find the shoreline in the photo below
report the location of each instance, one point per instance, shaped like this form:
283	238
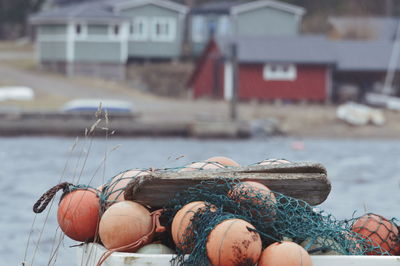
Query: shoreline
167	116
53	123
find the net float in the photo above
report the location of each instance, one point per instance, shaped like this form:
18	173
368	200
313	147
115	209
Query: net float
181	224
78	214
225	161
232	242
155	248
116	188
255	193
124	223
201	166
100	188
273	162
285	253
380	233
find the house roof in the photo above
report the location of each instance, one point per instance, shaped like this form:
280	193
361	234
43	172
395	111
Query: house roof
313	49
94	11
98	11
264	3
293	49
219	7
363	55
374	28
236	7
119	5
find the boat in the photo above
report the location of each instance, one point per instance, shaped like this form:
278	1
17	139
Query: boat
89	254
93	105
383	100
16	93
360	115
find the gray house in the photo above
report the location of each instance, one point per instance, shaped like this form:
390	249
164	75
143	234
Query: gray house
97	38
244	18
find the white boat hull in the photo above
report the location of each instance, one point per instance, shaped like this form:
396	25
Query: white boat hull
89	254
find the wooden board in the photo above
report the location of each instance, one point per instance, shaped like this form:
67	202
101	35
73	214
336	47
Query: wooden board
306	181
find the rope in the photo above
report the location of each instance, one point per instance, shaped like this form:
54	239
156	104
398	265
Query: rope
156	228
45	199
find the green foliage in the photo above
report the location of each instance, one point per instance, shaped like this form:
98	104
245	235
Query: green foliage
14	15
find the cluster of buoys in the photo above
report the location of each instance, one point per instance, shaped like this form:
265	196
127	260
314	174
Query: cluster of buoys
235	241
104	215
128	226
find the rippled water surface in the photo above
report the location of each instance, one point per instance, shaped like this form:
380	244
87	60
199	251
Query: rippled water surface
365	176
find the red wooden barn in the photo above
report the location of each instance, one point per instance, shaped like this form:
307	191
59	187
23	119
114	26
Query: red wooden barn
269	68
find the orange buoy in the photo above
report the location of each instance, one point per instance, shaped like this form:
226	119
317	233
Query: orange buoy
259	195
115	189
273	162
379	232
180	227
124	223
232	243
285	253
255	191
225	161
78	214
201	166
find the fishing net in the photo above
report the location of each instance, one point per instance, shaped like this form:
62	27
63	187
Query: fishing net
113	190
276	218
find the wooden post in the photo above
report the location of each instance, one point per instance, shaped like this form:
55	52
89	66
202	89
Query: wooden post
233	101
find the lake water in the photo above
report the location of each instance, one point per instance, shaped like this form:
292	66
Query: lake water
365	176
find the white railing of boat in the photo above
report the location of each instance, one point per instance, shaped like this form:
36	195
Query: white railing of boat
89	255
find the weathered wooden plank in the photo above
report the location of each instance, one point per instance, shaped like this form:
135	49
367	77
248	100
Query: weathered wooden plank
306	181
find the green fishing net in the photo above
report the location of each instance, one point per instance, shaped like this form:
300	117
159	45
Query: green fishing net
275	218
114	188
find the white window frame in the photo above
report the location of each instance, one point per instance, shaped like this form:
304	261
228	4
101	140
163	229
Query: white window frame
277	72
139	36
169	36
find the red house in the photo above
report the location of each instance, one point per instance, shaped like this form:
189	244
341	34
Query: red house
280	67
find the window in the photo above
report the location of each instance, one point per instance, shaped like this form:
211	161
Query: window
116	29
280	72
138	29
78	29
163	29
81	30
223	26
198	28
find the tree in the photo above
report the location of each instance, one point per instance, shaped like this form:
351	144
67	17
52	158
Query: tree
14	15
